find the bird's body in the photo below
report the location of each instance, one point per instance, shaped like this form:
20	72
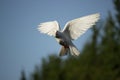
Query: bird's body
72	30
64	41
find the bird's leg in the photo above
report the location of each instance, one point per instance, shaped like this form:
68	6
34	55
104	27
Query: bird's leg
64	43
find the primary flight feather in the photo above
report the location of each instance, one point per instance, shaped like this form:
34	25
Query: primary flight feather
72	30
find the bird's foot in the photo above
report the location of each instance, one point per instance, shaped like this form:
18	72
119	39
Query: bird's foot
63	43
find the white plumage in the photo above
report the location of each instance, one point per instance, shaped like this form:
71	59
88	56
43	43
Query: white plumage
49	28
72	30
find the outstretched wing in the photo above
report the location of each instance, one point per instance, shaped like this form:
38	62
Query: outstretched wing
75	28
49	28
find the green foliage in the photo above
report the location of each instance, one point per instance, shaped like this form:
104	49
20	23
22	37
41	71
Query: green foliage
23	76
99	60
117	7
51	68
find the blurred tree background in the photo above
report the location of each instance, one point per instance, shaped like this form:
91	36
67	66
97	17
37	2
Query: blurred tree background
99	60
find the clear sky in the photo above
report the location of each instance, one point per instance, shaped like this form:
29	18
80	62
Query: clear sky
22	46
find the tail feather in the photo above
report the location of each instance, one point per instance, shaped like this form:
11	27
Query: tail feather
74	51
63	51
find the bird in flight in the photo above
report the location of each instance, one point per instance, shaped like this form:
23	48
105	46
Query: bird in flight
72	30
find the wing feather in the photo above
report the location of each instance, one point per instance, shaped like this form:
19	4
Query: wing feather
49	28
75	28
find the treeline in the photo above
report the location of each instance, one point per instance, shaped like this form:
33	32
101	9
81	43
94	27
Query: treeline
99	60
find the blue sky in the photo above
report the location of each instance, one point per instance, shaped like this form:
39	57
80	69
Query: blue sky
22	46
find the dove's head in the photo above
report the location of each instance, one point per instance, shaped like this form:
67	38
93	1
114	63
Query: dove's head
58	34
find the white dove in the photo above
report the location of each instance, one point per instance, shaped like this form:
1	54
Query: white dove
72	30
